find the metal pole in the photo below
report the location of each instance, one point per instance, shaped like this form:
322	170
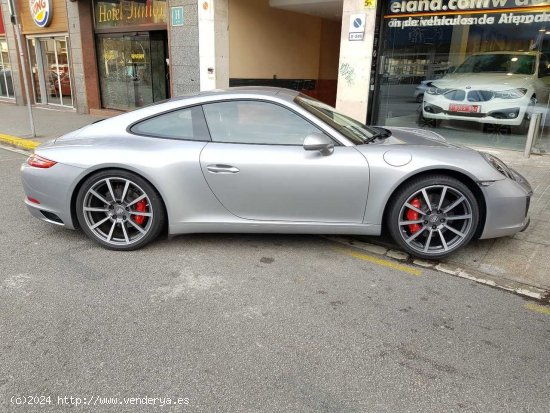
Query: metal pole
19	39
533	128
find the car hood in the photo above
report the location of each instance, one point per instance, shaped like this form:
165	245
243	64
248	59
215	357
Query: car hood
415	136
489	81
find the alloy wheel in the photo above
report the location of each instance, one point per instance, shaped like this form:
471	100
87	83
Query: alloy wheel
117	211
436	220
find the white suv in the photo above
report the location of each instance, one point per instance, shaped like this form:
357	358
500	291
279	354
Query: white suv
498	88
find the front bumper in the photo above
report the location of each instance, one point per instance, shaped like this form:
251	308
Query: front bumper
509	112
53	188
507	203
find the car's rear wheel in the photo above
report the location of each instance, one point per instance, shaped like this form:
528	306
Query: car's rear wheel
433	216
119	210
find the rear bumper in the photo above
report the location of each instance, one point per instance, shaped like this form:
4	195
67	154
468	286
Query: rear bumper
508	203
53	188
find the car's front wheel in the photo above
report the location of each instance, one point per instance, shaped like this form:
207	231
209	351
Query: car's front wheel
119	210
433	216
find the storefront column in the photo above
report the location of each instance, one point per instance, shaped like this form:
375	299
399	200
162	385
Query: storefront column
80	29
184	49
14	55
355	63
213	44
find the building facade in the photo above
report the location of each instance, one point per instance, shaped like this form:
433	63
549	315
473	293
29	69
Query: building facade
6	78
105	56
473	70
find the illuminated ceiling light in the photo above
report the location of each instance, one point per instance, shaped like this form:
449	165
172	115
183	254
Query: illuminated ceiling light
542	30
514	59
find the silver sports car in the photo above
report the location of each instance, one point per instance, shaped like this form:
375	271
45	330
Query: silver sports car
269	160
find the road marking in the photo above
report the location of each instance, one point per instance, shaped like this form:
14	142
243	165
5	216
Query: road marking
19	142
379	261
538	308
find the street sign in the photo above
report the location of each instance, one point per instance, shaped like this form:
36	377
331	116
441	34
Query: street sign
177	16
357	26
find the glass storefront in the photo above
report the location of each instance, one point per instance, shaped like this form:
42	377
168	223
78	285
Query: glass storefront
50	71
132	69
6	83
132	52
474	72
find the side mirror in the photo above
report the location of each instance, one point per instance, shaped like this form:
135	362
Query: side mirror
319	142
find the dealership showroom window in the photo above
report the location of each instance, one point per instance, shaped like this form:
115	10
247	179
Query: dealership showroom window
474	71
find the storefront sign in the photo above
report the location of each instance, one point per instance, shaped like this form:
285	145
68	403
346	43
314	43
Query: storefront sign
121	13
428	13
2	30
357	27
41	12
177	16
460	6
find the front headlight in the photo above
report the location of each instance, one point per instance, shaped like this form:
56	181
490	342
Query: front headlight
511	93
498	164
434	90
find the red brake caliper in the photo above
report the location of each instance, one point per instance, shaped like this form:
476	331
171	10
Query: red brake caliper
412	216
141	206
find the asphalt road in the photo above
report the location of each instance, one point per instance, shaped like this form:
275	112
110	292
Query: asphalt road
251	323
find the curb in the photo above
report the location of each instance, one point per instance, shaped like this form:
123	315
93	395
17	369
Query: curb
21	143
515	287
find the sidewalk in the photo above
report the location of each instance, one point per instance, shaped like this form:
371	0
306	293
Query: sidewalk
49	124
523	258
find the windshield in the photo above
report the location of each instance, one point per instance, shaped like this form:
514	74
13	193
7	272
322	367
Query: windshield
355	131
498	63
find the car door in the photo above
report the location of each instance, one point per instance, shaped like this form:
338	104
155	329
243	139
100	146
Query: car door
258	169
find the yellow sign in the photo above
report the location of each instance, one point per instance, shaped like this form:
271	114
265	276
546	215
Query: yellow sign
129	12
370	4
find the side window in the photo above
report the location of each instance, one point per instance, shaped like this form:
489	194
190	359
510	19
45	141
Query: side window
255	122
185	124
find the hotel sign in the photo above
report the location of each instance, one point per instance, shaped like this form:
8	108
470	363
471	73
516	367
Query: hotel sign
122	13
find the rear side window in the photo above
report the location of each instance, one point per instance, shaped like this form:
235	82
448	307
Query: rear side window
185	124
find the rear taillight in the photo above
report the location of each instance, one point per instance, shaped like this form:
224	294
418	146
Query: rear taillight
40	162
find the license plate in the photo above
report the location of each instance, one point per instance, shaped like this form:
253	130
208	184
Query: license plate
453	107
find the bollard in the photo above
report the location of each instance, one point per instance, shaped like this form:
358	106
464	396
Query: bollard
533	130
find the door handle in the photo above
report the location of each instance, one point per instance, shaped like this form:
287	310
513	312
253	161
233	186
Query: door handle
222	169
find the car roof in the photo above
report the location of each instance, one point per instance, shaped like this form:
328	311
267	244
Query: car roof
287	94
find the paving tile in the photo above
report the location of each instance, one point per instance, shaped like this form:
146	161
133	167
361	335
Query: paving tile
519	260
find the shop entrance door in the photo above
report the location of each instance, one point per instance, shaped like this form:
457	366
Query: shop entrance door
132	69
50	70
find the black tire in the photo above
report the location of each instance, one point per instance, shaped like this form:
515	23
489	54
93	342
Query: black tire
523	127
436	228
132	228
425	122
